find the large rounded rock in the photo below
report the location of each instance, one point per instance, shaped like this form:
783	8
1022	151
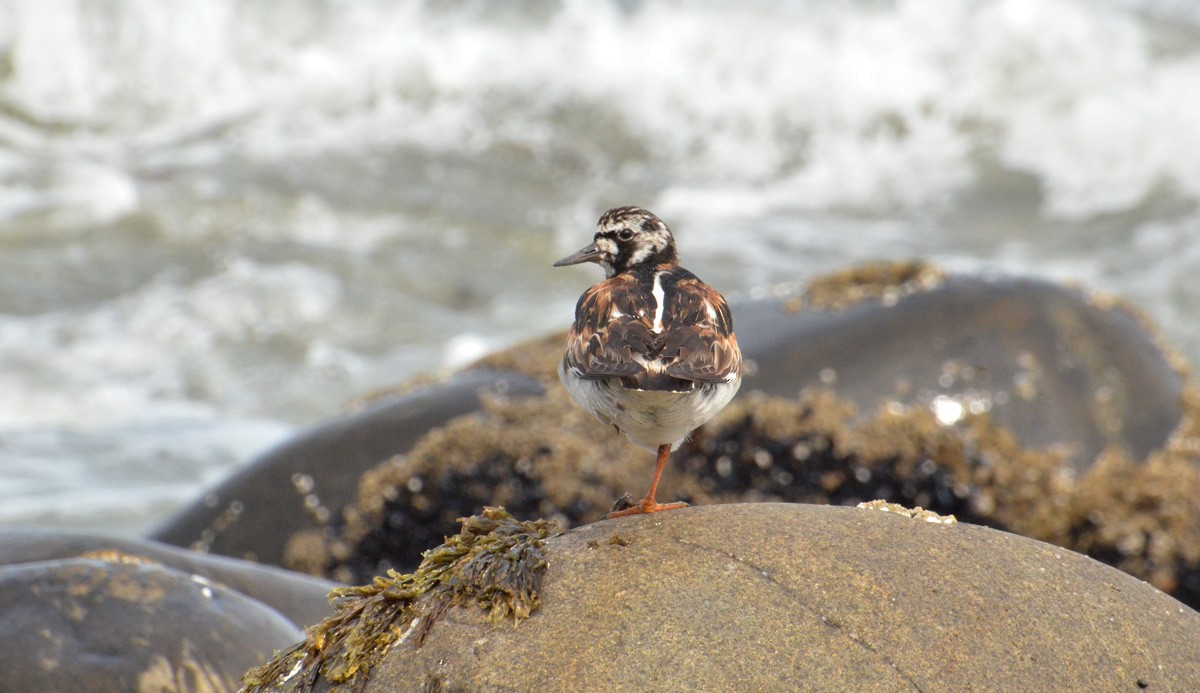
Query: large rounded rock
789	597
84	625
301	598
1056	365
253	513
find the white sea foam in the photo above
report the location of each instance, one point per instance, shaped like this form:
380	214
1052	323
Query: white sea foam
807	107
155	350
463	349
118	478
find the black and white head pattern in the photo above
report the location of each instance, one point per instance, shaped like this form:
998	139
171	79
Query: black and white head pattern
631	236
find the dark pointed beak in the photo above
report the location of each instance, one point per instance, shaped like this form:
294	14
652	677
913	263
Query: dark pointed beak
589	254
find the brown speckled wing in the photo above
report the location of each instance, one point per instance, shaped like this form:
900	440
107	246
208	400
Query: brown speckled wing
700	344
613	335
609	329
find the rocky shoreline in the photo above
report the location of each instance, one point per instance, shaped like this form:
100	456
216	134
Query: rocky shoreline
1024	406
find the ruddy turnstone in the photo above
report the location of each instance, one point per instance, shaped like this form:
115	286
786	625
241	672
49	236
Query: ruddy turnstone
652	350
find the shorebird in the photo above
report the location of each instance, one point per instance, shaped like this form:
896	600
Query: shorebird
652	350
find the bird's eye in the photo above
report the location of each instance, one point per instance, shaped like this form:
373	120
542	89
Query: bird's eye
625	234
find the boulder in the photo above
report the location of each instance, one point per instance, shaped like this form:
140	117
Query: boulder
790	597
1056	365
301	598
123	624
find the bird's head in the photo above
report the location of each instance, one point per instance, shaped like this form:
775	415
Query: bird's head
625	238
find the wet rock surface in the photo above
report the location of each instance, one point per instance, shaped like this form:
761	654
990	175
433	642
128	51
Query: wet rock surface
251	514
116	622
300	598
784	596
1056	365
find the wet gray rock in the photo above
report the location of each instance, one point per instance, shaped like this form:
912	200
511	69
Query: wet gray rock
85	625
1056	365
301	598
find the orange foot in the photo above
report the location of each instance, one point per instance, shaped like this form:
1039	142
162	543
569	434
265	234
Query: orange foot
647	505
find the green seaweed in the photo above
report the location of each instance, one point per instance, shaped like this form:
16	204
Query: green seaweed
494	562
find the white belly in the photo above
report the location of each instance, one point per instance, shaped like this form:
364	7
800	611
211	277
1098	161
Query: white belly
649	417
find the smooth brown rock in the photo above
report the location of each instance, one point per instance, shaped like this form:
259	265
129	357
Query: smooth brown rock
84	625
301	598
790	597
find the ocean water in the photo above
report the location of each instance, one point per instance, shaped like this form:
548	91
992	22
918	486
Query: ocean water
222	220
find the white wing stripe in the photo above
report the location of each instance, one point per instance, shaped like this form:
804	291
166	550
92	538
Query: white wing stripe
660	302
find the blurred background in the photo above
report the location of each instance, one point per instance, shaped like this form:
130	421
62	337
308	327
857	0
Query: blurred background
222	220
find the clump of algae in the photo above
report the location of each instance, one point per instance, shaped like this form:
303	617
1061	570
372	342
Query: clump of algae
883	281
536	456
544	457
494	562
816	450
1144	516
537	358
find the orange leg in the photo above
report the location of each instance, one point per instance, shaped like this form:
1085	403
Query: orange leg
647	504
